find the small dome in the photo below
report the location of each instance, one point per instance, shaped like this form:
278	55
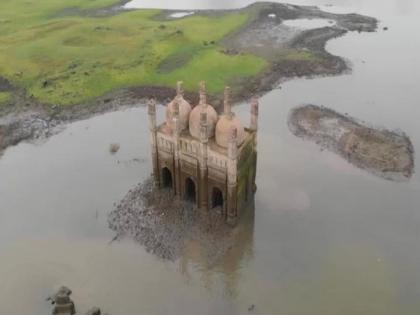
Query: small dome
184	110
195	120
224	128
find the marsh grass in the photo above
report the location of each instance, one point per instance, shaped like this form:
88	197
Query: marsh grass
68	59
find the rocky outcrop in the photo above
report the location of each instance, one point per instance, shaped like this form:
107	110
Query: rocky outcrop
63	305
17	127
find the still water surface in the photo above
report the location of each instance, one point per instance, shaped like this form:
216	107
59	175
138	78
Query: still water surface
327	238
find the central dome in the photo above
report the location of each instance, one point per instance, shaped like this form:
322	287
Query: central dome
184	110
195	115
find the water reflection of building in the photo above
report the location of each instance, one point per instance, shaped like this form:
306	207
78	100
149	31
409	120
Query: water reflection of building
219	268
205	158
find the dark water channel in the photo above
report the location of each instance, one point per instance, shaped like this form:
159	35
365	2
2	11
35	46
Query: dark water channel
327	238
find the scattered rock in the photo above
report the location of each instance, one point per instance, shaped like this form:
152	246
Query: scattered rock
251	308
114	148
385	28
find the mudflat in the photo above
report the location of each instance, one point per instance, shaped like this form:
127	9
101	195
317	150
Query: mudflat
384	153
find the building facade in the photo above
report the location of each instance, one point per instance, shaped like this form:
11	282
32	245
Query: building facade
206	158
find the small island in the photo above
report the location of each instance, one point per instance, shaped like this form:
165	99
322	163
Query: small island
388	154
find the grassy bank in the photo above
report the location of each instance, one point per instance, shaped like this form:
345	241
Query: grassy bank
5	97
64	57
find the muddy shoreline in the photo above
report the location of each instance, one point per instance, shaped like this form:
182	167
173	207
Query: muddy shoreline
383	153
25	118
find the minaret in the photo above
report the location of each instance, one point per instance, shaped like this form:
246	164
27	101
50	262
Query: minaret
227	105
254	115
254	127
175	137
179	89
203	187
203	115
232	169
204	139
153	139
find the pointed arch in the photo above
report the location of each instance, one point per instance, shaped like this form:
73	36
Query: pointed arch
217	199
167	181
190	190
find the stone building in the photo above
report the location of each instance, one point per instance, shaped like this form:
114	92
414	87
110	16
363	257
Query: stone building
204	157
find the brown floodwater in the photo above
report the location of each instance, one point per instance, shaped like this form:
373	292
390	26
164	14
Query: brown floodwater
326	238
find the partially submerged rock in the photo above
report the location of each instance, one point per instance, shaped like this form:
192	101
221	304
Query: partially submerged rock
114	148
63	305
388	154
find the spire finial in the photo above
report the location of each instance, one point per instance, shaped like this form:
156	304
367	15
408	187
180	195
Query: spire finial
203	94
227	104
152	106
254	106
179	89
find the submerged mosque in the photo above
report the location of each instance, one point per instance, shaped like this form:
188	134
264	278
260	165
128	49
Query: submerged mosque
206	158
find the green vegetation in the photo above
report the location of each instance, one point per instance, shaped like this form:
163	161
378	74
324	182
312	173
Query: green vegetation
62	55
5	97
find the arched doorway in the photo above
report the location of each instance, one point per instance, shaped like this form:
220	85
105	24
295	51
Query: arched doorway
190	191
217	198
166	178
